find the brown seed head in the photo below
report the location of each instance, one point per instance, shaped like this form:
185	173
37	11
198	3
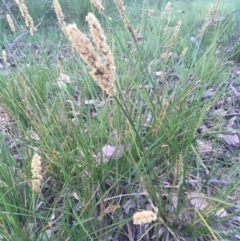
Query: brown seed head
126	21
168	52
10	22
215	9
28	19
184	52
144	217
98	4
166	10
36	170
103	67
60	16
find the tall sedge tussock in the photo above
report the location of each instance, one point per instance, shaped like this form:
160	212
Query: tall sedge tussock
36	170
98	4
102	71
126	21
28	19
60	16
10	22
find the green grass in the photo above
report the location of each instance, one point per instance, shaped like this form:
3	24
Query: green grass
54	121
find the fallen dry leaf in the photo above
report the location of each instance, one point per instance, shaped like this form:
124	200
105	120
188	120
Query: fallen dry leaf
203	129
237	94
219	112
75	196
204	147
159	73
65	78
221	213
148	120
113	152
230	125
232	140
110	153
208	93
197	199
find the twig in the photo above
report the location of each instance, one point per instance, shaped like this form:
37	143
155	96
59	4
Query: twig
230	114
124	195
212	181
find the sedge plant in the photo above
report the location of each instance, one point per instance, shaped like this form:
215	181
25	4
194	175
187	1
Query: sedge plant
136	87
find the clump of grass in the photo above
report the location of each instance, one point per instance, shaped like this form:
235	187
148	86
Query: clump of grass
152	124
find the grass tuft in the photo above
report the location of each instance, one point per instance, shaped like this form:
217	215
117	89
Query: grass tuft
149	152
